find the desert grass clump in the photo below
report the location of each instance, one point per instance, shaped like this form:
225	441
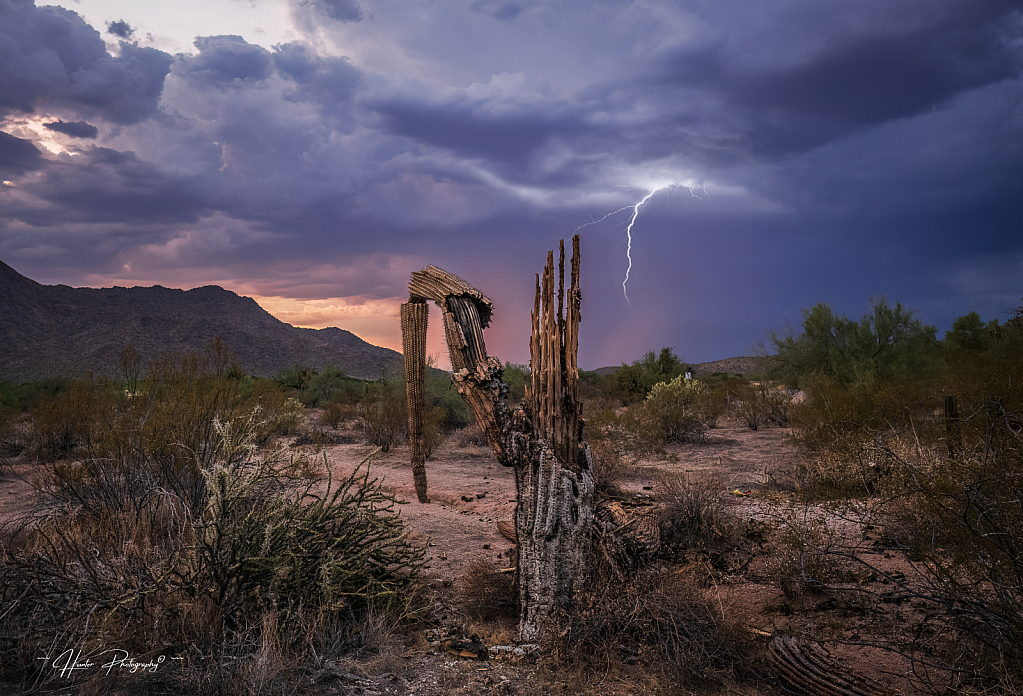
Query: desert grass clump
692	515
486	592
667	620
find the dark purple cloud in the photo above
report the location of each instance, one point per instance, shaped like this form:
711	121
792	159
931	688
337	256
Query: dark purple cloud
341	10
18	156
508	140
860	79
50	58
104	186
76	129
228	60
120	29
327	81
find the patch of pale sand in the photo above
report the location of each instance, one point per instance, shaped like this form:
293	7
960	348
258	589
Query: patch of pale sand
458	531
19	495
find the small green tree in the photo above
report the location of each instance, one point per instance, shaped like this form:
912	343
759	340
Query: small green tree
887	341
636	380
970	334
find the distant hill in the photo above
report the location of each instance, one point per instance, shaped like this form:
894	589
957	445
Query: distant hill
54	330
747	366
741	365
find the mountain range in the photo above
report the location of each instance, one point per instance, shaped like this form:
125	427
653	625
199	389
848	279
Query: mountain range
57	330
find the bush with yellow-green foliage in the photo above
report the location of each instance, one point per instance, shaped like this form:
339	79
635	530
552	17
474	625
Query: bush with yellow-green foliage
673	409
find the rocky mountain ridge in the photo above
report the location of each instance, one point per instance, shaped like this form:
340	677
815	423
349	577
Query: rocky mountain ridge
55	330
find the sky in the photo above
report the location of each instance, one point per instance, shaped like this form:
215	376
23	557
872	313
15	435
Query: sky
726	163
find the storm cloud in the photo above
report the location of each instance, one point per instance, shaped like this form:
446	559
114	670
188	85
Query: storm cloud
799	152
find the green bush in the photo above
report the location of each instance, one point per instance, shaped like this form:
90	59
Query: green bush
672	408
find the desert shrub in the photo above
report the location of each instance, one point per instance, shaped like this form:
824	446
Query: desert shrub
712	404
836	416
946	494
668	619
602	389
435	429
886	342
64	423
671	407
692	516
609	465
331	385
295	377
960	520
385	418
441	393
169	421
334	552
486	592
334	414
808	557
470	436
618	438
759	403
636	380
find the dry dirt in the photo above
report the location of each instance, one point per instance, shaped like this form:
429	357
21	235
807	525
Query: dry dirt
470	492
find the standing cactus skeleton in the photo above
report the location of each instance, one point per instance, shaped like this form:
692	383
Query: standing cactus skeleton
541	439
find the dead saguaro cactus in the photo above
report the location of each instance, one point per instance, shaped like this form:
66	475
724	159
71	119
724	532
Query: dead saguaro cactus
414	317
542	439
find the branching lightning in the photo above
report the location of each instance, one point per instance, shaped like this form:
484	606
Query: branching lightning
628	229
628	246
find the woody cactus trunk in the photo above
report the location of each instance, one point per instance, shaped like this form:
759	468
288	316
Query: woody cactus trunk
541	439
414	317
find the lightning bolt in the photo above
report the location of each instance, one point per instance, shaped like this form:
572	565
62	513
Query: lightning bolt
628	232
628	247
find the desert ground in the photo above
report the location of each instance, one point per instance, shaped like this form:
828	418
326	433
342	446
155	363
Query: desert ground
470	493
